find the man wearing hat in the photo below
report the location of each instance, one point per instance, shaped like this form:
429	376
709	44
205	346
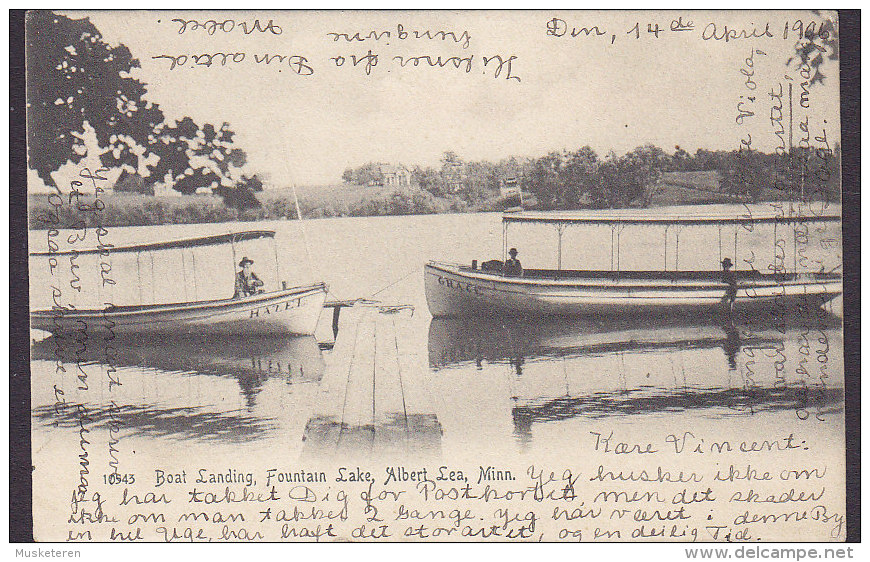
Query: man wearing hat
512	267
731	280
247	282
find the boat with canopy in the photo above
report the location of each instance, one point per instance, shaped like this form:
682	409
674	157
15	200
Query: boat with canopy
460	290
278	310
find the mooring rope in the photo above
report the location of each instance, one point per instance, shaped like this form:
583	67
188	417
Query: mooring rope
396	282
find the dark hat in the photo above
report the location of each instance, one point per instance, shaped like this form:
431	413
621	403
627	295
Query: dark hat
513	251
726	263
244	261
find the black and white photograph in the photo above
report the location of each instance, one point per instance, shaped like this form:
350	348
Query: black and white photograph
436	276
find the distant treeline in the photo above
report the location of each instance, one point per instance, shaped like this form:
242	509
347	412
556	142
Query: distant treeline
134	209
559	180
583	179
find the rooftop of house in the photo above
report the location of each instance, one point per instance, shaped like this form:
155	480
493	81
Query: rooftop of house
392	169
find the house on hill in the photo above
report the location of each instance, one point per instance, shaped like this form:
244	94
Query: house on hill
453	175
394	176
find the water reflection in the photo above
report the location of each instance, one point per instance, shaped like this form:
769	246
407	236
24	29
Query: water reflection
193	422
251	361
486	380
454	341
598	367
182	387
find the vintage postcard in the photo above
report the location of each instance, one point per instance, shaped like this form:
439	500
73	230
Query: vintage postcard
436	276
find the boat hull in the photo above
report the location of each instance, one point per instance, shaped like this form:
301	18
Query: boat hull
452	290
289	311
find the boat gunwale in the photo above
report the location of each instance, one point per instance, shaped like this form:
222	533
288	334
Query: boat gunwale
213	305
610	277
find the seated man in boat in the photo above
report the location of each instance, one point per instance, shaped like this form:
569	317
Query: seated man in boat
731	280
513	267
247	282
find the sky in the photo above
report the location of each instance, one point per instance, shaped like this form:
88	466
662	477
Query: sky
615	91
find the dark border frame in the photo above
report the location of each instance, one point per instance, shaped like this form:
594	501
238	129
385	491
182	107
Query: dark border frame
20	484
850	119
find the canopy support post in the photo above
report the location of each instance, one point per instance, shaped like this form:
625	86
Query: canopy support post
667	226
677	251
184	274
233	248
504	227
795	236
153	299
775	249
139	274
736	231
560	228
618	247
720	245
278	284
612	244
195	289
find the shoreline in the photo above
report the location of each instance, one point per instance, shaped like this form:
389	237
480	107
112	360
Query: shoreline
129	210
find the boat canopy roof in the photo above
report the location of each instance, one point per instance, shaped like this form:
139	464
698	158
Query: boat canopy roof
213	240
680	217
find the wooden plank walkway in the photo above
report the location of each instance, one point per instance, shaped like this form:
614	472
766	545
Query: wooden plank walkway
374	401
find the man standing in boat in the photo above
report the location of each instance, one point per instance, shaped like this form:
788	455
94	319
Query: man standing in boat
731	280
513	267
247	282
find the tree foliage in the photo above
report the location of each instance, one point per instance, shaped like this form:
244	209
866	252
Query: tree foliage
75	78
580	178
367	174
196	156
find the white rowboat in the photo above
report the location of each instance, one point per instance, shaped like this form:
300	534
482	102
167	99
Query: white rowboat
288	310
456	290
462	290
291	311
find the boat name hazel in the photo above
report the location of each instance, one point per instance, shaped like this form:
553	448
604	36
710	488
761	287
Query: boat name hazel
270	308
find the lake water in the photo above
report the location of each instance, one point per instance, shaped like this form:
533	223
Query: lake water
493	389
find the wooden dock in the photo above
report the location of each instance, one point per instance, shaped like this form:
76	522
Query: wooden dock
374	401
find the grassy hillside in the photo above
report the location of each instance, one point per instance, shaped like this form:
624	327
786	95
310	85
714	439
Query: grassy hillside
690	188
697	188
356	200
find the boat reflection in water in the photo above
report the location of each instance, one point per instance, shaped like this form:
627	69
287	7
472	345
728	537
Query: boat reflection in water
594	368
185	387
